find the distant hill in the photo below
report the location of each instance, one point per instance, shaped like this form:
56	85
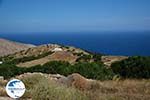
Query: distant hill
27	55
10	47
45	53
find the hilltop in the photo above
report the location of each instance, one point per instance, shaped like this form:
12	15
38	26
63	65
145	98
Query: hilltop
45	53
10	47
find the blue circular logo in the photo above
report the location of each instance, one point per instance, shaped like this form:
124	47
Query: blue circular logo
15	88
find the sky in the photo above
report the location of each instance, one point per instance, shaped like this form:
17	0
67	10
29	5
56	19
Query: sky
74	15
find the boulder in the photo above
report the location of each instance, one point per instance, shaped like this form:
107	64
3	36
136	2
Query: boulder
77	81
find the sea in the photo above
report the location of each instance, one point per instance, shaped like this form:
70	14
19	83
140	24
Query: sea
110	43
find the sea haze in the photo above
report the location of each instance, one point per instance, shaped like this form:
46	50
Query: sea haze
113	43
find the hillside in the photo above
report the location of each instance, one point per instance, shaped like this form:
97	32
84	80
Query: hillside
108	60
26	55
10	47
44	53
77	87
59	70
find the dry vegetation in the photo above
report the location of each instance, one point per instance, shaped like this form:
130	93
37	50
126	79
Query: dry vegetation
108	60
68	54
10	47
121	90
56	56
43	49
43	88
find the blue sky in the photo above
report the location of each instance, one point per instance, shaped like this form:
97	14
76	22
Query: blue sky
74	15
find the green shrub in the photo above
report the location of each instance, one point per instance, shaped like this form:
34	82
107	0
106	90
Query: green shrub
87	58
89	70
78	54
84	58
9	71
97	57
93	70
10	59
53	67
133	67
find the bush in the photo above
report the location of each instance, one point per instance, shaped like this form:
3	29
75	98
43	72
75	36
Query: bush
87	58
133	67
10	60
97	57
53	67
84	58
93	70
9	71
89	70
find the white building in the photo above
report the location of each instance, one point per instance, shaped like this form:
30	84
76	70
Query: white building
1	62
57	49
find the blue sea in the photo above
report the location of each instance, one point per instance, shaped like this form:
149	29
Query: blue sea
112	43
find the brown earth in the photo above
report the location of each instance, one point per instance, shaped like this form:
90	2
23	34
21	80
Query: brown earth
10	47
78	81
108	60
44	49
56	56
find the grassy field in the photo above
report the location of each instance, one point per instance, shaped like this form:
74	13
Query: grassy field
122	90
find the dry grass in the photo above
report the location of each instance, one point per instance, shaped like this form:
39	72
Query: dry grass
3	83
2	91
100	90
49	90
41	88
2	87
108	60
57	56
120	90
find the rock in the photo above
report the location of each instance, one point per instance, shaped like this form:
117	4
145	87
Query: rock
73	80
78	81
63	80
56	77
